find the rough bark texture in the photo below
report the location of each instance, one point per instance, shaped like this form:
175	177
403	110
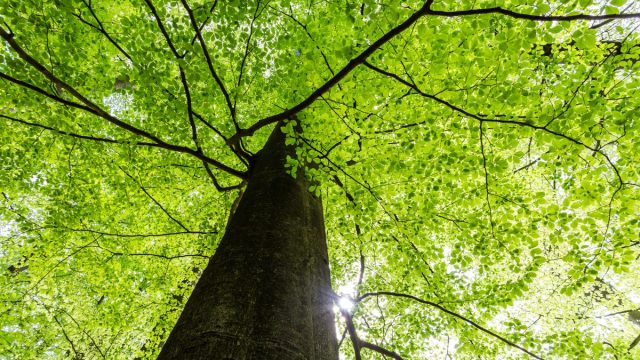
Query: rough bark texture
266	293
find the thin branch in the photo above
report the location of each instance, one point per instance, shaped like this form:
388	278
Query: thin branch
82	247
634	343
78	136
441	308
486	182
163	30
187	94
191	112
242	156
304	27
93	342
194	135
210	126
96	110
617	313
105	233
120	253
567	105
338	168
246	49
358	343
346	70
101	28
516	15
217	184
64	333
154	200
453	220
482	118
596	26
213	72
530	164
204	23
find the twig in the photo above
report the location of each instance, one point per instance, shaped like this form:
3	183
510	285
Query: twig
154	200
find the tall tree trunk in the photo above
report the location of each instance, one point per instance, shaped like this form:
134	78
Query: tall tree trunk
266	293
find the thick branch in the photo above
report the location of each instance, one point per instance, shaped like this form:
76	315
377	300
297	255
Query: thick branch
96	110
346	70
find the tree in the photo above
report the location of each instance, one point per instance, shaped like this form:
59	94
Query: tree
476	161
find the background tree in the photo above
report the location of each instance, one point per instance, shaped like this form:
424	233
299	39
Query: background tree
477	161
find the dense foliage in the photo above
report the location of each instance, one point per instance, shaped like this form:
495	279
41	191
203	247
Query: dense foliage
479	168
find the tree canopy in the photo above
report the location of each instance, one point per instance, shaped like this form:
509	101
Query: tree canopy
478	162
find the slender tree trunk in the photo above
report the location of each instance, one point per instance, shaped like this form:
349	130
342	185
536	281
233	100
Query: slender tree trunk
266	293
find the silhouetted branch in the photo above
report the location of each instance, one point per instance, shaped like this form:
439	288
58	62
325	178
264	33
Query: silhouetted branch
441	308
346	70
96	110
217	184
213	72
482	118
78	136
100	28
358	343
120	253
154	200
517	15
163	30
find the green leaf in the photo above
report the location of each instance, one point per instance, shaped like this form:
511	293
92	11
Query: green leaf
483	163
611	10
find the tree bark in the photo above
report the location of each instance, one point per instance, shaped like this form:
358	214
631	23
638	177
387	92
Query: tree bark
266	292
